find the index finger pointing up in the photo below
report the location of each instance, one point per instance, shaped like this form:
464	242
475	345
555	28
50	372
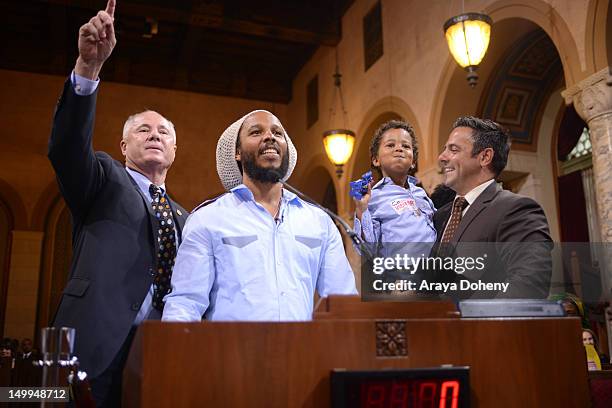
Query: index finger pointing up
110	8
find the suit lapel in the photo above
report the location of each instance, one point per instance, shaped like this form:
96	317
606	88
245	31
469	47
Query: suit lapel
178	213
180	216
476	208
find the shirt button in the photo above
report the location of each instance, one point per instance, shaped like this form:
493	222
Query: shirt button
282	293
135	306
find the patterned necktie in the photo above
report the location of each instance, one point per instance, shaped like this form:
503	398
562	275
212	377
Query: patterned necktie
458	206
166	245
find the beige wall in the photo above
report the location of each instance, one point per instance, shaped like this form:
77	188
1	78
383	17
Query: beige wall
22	294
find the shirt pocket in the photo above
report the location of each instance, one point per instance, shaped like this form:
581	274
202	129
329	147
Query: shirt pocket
240	261
308	254
76	287
426	210
310	242
239	241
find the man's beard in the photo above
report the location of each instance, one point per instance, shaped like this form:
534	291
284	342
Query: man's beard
264	174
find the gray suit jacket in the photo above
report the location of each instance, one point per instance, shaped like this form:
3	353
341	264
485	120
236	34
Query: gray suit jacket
513	231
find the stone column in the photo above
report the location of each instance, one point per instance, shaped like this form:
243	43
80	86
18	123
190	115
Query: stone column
592	98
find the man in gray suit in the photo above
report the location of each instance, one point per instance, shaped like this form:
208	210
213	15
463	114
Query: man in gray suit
510	228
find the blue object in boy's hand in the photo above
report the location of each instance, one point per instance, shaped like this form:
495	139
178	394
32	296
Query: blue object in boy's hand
360	187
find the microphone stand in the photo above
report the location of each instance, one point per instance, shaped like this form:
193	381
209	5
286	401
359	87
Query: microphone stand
347	229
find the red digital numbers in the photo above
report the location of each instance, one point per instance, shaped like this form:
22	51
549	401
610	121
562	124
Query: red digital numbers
427	395
399	395
454	399
376	396
410	394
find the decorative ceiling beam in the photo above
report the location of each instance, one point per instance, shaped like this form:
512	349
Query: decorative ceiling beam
212	17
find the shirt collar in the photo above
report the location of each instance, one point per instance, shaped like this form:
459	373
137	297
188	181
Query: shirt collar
143	182
243	192
387	180
474	193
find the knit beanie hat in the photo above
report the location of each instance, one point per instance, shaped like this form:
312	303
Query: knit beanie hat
227	166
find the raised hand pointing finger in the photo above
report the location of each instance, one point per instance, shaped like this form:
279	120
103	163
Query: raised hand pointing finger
110	8
96	42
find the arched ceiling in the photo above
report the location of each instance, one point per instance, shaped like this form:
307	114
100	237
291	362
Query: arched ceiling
519	86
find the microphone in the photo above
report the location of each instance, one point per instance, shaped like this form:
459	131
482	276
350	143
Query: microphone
347	229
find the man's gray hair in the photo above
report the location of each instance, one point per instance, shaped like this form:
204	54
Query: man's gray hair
130	120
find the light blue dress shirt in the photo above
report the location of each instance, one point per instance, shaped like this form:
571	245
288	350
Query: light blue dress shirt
396	216
236	262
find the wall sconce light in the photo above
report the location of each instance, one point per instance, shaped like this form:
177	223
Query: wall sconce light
338	142
339	145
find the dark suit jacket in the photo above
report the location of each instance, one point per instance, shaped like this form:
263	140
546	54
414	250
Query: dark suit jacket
6	366
113	237
25	373
517	241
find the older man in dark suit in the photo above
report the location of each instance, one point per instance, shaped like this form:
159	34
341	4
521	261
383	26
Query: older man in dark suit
125	227
483	218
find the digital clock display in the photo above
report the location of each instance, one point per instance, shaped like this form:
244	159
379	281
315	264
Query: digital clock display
415	388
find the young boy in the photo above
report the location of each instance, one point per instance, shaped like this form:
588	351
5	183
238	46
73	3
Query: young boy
395	211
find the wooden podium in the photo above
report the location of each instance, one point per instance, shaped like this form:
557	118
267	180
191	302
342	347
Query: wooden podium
513	362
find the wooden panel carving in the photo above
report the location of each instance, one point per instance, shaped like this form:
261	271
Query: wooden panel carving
391	339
